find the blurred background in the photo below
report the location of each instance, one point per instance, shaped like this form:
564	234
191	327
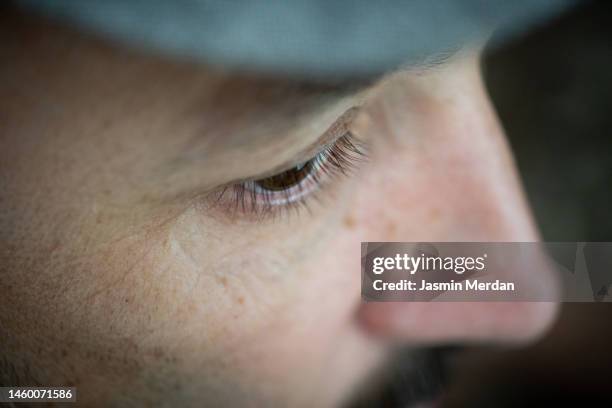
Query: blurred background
552	89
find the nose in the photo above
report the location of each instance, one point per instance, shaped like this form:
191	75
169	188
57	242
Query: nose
441	170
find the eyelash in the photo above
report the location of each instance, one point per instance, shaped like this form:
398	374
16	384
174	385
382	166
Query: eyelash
337	159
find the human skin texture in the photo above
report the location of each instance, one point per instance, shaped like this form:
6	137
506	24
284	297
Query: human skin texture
122	277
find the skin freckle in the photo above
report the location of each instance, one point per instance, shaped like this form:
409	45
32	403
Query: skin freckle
391	229
434	214
349	222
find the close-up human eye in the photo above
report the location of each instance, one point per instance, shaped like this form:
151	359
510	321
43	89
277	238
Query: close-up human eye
322	204
295	187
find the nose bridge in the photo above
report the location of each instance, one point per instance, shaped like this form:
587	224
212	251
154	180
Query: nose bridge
470	177
444	172
444	162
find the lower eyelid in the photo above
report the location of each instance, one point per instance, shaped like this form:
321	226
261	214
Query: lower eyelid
250	199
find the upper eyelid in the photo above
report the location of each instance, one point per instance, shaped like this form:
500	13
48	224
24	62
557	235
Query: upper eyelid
338	129
344	154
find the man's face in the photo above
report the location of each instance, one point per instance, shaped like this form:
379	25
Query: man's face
181	236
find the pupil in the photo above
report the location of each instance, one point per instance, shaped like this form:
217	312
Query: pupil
286	179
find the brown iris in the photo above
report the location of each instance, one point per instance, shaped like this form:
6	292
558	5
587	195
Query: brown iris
286	179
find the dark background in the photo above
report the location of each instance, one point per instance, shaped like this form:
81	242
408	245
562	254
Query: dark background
552	90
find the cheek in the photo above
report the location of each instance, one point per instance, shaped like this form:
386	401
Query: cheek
183	306
283	300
